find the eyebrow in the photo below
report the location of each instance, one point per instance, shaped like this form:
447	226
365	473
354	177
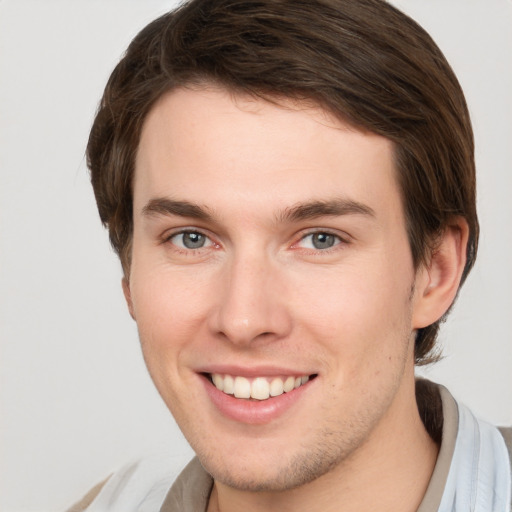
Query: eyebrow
329	208
165	206
301	211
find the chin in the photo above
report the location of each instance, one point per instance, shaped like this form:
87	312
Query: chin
274	473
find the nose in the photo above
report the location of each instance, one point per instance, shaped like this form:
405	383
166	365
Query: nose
251	305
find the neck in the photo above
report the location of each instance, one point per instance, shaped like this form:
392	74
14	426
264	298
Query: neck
389	472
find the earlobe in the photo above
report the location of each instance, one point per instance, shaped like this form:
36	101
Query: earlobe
438	282
128	296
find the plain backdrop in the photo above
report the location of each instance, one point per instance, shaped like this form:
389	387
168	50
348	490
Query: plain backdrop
76	400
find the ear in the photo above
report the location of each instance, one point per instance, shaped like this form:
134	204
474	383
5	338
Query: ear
128	296
437	283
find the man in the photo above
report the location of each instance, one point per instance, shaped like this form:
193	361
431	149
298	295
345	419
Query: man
290	187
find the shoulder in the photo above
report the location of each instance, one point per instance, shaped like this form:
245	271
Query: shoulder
146	480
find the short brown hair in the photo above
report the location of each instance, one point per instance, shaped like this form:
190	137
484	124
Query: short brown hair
362	60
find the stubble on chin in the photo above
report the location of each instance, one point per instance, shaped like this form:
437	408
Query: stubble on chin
331	450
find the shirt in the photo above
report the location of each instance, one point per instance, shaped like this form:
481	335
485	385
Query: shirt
161	483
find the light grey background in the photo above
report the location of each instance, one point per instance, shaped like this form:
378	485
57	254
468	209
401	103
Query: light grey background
76	401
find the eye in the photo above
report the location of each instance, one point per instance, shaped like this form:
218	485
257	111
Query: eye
190	240
319	241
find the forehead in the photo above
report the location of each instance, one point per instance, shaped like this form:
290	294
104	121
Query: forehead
215	148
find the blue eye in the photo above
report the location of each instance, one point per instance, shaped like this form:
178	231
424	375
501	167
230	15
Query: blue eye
190	240
320	241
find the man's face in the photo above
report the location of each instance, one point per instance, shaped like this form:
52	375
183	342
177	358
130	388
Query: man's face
270	247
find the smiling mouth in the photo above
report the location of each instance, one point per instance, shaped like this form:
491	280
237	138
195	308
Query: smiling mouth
258	388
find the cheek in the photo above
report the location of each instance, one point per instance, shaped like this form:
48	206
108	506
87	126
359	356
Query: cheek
167	312
170	316
360	316
165	296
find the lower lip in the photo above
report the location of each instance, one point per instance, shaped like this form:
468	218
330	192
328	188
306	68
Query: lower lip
254	412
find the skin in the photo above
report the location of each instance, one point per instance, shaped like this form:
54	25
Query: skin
260	293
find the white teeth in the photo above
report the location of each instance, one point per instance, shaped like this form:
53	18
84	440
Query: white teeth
242	387
229	385
276	387
260	388
289	384
218	381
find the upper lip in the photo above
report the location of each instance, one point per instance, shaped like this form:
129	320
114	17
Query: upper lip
253	371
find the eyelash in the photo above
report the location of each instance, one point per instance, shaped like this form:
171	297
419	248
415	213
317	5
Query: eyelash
339	241
190	251
168	239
